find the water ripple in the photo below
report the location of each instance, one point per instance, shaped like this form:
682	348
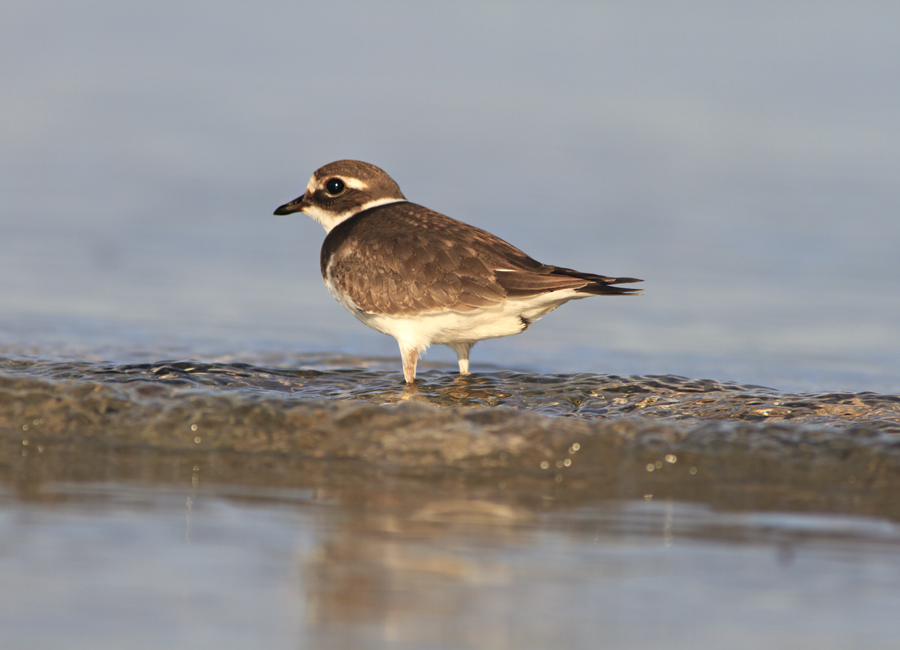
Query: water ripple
492	419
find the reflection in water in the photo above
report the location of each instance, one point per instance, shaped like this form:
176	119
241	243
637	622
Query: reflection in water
346	554
624	575
378	566
498	511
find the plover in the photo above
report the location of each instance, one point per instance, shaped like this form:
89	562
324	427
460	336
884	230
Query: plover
423	277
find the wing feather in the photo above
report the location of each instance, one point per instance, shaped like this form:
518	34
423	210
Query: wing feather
402	259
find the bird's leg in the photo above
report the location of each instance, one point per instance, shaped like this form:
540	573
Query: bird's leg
410	357
462	352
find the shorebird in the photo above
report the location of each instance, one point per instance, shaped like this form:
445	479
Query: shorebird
422	277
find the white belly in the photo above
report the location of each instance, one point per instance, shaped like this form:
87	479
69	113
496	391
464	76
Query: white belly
448	327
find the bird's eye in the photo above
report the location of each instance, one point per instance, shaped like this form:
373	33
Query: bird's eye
334	186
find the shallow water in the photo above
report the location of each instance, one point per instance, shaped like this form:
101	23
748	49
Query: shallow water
375	566
200	448
201	504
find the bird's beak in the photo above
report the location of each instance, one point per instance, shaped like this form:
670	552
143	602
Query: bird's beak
296	205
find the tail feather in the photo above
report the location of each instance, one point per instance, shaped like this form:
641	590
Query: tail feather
600	289
600	284
553	278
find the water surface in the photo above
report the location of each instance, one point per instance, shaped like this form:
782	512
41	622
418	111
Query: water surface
192	503
200	448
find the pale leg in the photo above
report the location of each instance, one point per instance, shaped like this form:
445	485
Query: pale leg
462	352
410	357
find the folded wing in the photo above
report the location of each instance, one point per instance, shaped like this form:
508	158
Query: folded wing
403	259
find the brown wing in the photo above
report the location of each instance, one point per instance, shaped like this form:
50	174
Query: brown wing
403	258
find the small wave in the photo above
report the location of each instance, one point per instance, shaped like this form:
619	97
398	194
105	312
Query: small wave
501	419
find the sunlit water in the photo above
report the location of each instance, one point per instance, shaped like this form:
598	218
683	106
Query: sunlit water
112	565
200	448
199	504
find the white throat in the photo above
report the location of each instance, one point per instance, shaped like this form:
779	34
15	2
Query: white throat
329	219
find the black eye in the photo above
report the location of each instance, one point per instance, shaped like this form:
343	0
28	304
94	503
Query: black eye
334	186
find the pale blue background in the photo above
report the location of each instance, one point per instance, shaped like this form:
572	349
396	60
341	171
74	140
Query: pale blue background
743	160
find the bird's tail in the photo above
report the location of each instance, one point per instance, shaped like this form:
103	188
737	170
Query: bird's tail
600	285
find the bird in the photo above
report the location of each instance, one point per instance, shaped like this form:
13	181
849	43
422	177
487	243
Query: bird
425	278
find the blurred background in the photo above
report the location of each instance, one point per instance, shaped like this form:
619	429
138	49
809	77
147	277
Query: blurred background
743	160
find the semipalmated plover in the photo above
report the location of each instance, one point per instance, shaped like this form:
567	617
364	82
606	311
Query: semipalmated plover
423	277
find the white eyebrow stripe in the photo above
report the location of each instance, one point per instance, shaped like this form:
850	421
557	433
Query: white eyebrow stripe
354	183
